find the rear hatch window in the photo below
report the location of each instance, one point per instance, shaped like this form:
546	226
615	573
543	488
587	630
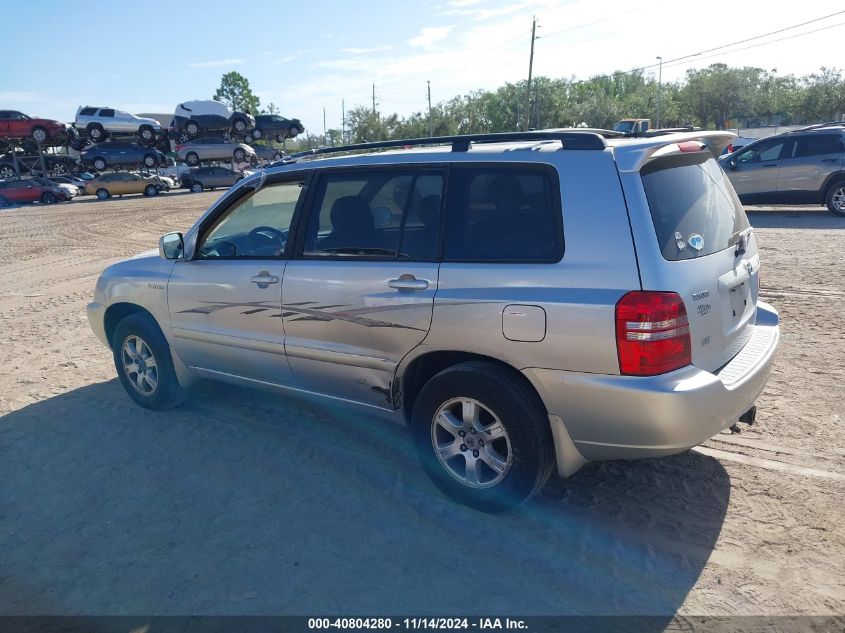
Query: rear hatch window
694	208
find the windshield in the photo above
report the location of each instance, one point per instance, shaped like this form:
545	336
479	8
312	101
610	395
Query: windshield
624	126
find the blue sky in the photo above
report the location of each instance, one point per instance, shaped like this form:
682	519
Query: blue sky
306	56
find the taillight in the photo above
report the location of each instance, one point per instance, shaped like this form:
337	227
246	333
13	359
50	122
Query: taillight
691	146
652	333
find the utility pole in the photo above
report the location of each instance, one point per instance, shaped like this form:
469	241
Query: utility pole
430	127
659	89
325	135
343	129
530	69
374	98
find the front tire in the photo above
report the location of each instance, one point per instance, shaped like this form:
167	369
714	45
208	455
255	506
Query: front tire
146	133
39	135
144	364
196	188
192	158
192	128
150	191
103	194
483	436
49	198
150	160
835	199
239	126
100	164
239	155
96	132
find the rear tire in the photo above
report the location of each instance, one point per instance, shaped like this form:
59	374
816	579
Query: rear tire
39	135
239	155
100	164
192	128
196	187
146	133
835	199
96	132
239	126
150	191
49	198
103	194
150	160
256	133
192	158
502	410
144	364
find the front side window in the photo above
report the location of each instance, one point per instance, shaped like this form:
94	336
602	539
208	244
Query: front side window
256	226
503	214
762	152
388	213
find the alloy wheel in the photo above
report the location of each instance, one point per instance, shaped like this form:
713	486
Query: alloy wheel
471	443
139	365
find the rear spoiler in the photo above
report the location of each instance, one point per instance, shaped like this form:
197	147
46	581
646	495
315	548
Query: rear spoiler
631	156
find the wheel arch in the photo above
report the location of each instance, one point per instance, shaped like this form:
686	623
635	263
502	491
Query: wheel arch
830	181
420	369
116	312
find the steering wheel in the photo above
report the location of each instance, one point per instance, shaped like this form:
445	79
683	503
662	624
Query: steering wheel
267	240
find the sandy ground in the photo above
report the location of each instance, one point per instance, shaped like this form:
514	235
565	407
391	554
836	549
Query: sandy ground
243	502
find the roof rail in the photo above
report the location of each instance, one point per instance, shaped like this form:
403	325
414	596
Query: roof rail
574	140
816	126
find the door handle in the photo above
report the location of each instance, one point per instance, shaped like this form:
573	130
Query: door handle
408	282
264	279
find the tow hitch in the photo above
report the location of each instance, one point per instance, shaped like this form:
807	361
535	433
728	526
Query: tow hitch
749	418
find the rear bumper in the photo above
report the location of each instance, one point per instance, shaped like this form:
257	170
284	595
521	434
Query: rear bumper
624	417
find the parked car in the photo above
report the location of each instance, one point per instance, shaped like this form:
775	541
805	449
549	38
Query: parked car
738	143
805	166
76	181
121	154
70	191
166	182
31	163
445	288
267	154
274	126
195	117
17	125
203	178
27	190
98	122
120	183
214	148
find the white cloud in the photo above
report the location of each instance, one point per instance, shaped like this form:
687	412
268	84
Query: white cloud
216	63
364	51
430	35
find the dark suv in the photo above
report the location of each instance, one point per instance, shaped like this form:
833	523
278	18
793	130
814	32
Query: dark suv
113	154
274	126
806	166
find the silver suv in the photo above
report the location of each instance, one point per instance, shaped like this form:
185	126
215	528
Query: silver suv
99	122
805	166
526	302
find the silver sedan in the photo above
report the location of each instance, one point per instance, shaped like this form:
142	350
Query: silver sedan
214	148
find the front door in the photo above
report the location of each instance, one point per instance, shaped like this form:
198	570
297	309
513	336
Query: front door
360	292
225	302
757	168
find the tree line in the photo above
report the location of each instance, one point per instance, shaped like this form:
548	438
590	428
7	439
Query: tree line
716	97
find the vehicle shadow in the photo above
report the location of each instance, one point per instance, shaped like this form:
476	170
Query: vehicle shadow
807	217
242	502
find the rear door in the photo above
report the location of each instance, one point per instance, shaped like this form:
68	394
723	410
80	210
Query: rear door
359	295
693	238
755	170
812	159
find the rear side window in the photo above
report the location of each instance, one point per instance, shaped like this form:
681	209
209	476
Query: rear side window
503	214
88	112
816	144
389	213
692	205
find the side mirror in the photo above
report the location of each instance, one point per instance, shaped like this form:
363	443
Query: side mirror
732	163
171	246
